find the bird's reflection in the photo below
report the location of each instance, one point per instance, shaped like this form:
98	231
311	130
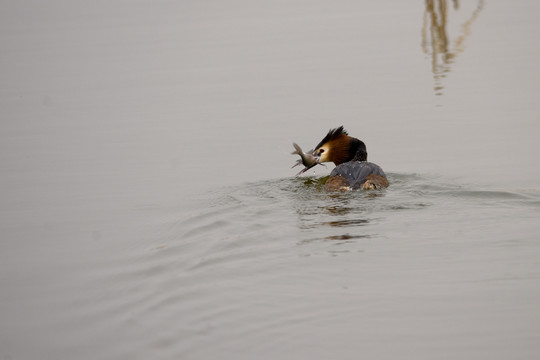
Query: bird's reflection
339	218
346	222
436	41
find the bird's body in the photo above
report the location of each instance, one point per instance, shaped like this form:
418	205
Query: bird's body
352	170
354	175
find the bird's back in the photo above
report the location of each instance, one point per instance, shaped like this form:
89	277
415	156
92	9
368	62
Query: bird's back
357	172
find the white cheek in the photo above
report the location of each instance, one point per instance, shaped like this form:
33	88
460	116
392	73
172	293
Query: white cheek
324	157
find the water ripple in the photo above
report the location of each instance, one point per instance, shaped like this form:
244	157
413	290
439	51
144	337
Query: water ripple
219	270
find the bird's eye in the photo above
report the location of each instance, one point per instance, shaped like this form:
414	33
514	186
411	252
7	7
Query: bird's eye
321	151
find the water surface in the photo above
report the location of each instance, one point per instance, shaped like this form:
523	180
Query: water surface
149	209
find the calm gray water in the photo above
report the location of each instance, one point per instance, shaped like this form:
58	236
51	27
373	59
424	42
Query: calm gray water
148	208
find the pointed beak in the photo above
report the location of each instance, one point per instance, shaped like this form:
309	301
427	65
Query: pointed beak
316	154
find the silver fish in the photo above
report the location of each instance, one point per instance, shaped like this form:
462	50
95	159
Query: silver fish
306	159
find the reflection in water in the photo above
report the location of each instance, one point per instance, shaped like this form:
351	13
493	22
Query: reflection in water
336	217
346	222
339	239
346	237
436	42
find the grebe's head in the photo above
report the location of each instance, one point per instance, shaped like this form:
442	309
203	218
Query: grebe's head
338	147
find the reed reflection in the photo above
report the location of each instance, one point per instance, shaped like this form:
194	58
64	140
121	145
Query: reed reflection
437	43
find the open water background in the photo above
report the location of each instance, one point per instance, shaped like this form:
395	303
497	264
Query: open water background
148	208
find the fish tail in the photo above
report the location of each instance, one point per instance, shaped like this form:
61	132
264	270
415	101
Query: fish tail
298	149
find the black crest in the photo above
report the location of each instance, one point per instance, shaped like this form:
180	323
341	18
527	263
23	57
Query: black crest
332	134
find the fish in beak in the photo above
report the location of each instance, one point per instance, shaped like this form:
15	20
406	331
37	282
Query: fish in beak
306	158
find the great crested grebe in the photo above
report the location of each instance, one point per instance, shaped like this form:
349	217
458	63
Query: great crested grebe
352	170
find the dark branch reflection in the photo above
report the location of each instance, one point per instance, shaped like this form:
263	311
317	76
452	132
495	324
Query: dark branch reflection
436	41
